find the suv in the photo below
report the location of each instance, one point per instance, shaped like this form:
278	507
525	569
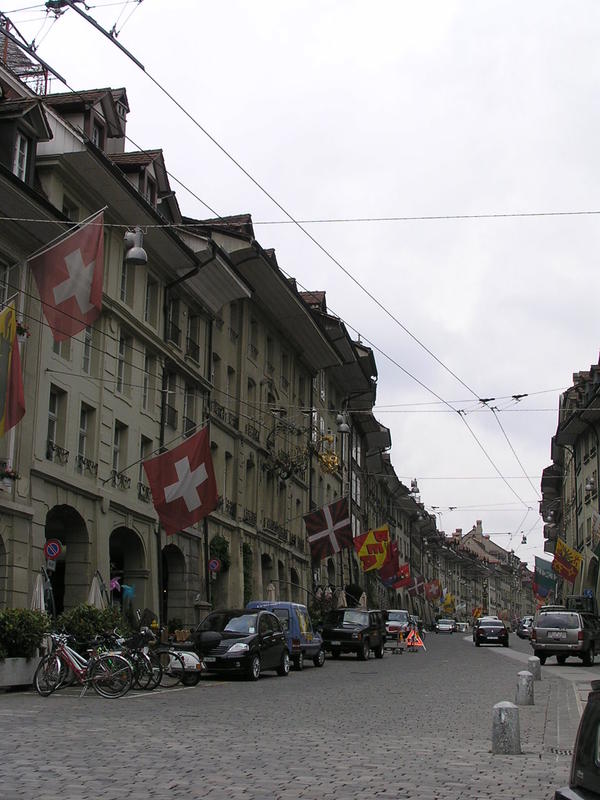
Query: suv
565	633
354	630
584	782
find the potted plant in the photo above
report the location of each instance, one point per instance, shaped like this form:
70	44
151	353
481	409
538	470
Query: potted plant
7	476
23	332
21	635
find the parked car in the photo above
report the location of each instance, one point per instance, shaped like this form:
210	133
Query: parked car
444	626
242	641
302	641
524	628
490	631
566	633
397	621
354	630
584	782
462	627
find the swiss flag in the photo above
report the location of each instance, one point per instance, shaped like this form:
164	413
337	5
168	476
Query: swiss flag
69	279
182	482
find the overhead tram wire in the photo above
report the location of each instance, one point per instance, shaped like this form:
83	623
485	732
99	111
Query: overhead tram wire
329	255
292	219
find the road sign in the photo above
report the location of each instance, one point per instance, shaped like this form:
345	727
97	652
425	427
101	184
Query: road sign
52	548
214	565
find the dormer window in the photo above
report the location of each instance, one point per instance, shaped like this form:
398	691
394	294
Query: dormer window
98	135
150	193
20	159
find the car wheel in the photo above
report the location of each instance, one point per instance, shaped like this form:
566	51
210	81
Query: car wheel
284	667
365	651
319	659
561	659
335	653
254	670
299	661
190	678
588	656
379	651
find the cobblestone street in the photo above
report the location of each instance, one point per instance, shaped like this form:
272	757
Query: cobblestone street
408	726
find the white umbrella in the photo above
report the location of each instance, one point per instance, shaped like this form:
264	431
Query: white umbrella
363	601
341	599
95	596
271	592
37	598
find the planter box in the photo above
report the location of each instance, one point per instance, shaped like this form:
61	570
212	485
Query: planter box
17	671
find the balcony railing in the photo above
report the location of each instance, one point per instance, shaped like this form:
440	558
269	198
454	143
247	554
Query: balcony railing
218	410
86	465
230	507
192	349
189	426
274	527
119	479
253	351
171	416
233	420
252	432
173	333
249	516
56	453
144	493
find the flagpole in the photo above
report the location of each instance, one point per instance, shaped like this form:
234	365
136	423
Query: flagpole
64	235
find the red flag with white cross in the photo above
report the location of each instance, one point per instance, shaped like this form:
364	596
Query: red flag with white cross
69	278
182	482
329	529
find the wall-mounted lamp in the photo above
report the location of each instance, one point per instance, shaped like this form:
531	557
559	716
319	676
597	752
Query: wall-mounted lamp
342	424
589	485
134	251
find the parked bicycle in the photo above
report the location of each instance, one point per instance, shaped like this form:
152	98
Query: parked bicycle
110	674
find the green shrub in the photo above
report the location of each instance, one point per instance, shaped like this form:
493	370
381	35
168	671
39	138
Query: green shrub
84	621
218	548
21	632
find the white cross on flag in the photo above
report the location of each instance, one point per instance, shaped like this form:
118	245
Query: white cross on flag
182	482
329	529
69	279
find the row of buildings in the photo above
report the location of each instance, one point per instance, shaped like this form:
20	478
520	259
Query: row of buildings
209	331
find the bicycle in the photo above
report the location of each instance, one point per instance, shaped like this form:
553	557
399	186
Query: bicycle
110	674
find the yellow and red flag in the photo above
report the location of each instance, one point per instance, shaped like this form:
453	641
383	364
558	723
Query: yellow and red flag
12	396
566	561
372	548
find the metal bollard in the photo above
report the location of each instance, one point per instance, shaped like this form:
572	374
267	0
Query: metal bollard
533	665
524	688
506	732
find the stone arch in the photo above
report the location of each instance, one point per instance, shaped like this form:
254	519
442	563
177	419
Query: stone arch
72	576
295	590
266	565
592	576
128	564
173	596
3	574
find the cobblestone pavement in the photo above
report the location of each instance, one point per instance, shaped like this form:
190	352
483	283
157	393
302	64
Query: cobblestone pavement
408	726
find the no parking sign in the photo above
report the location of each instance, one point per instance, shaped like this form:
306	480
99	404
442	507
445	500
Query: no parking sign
214	565
52	549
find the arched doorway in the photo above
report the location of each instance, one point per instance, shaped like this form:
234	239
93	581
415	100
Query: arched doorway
592	577
296	591
71	577
127	565
266	565
173	585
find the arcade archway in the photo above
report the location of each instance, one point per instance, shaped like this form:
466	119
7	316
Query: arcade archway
173	584
128	572
72	574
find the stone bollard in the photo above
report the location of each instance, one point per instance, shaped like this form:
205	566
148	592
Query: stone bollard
533	665
506	733
524	688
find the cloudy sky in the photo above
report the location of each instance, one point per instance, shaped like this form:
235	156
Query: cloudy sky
348	110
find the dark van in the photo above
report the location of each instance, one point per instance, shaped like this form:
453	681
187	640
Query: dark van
301	640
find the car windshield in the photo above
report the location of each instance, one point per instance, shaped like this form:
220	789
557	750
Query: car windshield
490	623
558	620
397	616
348	617
235	621
446	622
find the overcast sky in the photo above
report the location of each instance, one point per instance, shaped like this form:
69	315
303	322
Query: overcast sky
396	109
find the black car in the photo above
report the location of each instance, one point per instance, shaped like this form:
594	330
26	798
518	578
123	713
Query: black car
242	641
584	783
490	631
354	630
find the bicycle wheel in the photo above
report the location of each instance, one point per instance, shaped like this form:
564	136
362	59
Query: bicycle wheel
156	669
148	671
47	675
173	668
111	675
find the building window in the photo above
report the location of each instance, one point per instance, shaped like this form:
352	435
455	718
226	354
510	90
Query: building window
150	193
192	347
119	451
171	399
124	364
148	382
62	349
145	453
86	360
126	287
174	331
151	301
98	135
56	426
189	410
70	210
85	443
20	159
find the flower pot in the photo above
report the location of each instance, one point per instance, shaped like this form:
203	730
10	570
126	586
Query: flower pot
17	671
6	484
21	338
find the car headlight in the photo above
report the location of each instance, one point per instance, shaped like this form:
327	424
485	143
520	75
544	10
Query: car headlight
356	635
238	647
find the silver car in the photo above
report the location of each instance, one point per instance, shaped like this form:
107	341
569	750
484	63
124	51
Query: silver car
566	633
